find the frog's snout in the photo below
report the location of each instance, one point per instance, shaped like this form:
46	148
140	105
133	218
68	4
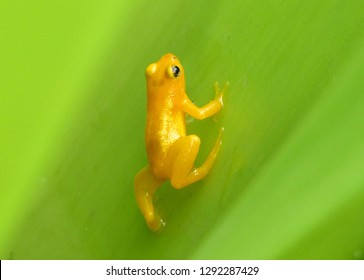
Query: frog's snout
151	69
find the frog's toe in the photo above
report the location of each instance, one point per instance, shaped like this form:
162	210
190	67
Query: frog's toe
157	224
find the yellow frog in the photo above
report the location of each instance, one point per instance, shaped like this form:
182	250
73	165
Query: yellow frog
171	153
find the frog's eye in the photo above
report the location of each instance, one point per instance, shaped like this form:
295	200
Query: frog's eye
173	71
176	71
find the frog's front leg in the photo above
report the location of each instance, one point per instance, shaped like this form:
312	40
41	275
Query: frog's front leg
145	185
211	108
182	156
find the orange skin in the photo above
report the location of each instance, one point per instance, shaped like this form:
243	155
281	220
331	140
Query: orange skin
171	154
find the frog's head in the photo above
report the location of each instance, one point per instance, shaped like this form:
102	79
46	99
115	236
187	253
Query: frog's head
168	70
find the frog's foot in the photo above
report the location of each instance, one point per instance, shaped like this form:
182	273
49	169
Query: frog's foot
209	162
145	185
219	93
155	224
145	203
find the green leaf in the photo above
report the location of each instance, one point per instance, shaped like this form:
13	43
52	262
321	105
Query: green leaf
288	182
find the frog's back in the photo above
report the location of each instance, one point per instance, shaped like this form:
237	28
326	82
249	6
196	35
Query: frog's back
165	116
162	131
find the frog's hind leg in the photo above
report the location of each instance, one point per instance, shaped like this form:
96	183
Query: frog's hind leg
182	156
145	185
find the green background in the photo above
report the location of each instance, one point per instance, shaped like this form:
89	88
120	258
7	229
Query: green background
288	182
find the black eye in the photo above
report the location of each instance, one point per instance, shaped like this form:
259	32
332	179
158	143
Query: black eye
176	71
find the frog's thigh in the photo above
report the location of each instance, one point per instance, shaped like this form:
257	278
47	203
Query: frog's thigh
181	158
